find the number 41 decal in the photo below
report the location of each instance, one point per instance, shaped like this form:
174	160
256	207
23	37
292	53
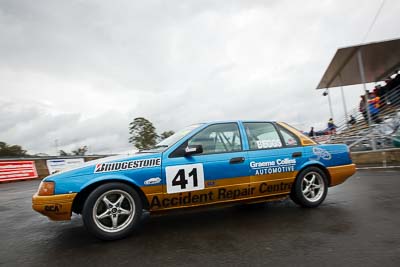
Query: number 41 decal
183	178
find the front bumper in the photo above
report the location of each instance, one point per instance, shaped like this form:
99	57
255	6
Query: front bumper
56	207
339	174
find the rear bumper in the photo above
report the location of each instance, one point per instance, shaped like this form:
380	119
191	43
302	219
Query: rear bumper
339	174
56	207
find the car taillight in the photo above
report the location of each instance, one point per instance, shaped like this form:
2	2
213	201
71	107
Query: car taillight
46	189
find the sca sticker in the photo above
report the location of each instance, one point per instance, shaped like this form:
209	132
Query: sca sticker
321	153
183	178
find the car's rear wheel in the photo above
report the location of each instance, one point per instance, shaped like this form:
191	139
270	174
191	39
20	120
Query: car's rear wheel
310	188
112	211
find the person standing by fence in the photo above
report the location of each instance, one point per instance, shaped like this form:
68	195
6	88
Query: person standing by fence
311	133
362	108
331	126
374	105
352	120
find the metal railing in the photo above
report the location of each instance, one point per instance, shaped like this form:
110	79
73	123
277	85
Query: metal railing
383	133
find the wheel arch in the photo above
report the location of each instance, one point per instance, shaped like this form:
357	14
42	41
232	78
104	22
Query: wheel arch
319	166
79	200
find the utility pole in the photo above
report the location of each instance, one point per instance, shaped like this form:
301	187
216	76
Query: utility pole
326	93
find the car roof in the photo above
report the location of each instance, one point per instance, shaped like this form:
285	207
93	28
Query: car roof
234	121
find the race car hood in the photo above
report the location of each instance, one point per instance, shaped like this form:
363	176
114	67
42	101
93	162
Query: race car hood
108	164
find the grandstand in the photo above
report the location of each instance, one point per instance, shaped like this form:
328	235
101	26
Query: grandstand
375	62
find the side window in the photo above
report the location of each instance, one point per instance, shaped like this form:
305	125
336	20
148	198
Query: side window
218	138
262	135
288	137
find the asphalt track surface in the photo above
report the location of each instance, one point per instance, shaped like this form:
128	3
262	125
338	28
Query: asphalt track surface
357	225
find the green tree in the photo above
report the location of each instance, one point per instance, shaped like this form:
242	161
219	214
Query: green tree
143	133
11	150
63	153
166	134
80	151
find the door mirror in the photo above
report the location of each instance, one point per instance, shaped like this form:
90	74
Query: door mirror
194	149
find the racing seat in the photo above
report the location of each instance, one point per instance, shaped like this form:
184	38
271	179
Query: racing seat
252	139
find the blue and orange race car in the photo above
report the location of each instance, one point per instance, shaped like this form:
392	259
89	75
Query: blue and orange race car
203	164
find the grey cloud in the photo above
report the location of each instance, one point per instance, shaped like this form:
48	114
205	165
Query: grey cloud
79	71
37	130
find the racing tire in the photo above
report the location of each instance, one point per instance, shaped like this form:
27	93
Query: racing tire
310	188
112	211
294	198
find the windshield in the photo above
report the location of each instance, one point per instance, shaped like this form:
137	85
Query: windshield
167	142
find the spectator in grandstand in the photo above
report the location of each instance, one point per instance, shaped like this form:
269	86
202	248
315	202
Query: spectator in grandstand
393	86
391	91
311	133
396	80
331	126
377	90
380	91
386	96
362	108
352	120
374	105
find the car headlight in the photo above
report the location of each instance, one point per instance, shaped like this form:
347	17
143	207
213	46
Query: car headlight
46	189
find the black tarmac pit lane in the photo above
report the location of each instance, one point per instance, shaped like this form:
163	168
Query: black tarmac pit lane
357	225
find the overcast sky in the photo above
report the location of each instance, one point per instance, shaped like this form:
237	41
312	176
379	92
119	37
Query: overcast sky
79	71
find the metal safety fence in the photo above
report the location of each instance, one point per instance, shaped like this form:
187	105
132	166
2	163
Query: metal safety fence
381	132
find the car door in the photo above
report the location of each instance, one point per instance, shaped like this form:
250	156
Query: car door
274	157
219	173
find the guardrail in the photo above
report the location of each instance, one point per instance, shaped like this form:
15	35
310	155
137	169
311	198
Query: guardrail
383	133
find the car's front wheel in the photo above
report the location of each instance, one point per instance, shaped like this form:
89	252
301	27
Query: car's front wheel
310	188
112	211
